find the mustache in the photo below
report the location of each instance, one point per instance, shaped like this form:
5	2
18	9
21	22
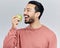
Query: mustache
26	15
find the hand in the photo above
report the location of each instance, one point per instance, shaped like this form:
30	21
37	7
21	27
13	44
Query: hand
15	21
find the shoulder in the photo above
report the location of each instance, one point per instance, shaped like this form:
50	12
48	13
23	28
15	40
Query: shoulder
48	30
21	30
49	33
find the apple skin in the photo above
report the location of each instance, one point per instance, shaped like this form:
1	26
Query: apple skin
19	16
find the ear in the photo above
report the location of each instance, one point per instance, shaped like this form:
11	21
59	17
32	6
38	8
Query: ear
37	14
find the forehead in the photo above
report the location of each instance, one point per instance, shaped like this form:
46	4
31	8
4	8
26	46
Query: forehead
30	6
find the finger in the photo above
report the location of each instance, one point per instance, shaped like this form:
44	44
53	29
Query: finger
14	17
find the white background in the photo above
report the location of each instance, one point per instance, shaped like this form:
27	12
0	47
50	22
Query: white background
50	17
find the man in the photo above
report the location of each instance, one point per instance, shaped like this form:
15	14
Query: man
35	35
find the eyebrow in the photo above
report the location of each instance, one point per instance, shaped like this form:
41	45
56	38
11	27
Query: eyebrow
26	8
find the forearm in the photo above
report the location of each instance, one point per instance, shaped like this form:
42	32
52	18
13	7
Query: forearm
10	40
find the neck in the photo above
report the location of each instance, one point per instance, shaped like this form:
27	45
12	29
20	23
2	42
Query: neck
35	25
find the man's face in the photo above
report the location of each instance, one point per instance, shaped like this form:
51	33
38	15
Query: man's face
29	13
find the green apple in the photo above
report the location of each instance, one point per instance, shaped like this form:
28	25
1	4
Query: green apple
19	16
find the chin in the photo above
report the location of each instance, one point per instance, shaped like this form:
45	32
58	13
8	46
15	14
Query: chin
26	23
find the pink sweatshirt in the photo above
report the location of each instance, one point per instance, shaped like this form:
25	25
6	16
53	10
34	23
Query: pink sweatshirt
30	38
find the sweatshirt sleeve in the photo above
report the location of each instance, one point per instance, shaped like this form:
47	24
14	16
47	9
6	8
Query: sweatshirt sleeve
10	40
53	41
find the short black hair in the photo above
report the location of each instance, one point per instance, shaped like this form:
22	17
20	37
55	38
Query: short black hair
38	8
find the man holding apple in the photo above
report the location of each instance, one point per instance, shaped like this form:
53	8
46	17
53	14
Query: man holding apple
35	35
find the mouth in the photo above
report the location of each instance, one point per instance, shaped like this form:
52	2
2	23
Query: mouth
26	16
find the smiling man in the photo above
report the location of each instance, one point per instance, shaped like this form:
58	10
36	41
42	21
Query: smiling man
35	35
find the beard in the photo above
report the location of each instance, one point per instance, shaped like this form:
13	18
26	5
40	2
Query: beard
31	20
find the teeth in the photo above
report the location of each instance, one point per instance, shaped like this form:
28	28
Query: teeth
26	16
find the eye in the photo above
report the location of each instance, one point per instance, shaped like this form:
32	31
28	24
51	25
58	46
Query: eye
28	10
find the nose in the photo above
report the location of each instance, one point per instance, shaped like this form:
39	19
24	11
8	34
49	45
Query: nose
25	11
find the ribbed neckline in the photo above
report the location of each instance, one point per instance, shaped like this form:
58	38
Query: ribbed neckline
35	28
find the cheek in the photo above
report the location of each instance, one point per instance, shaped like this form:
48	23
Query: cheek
31	14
